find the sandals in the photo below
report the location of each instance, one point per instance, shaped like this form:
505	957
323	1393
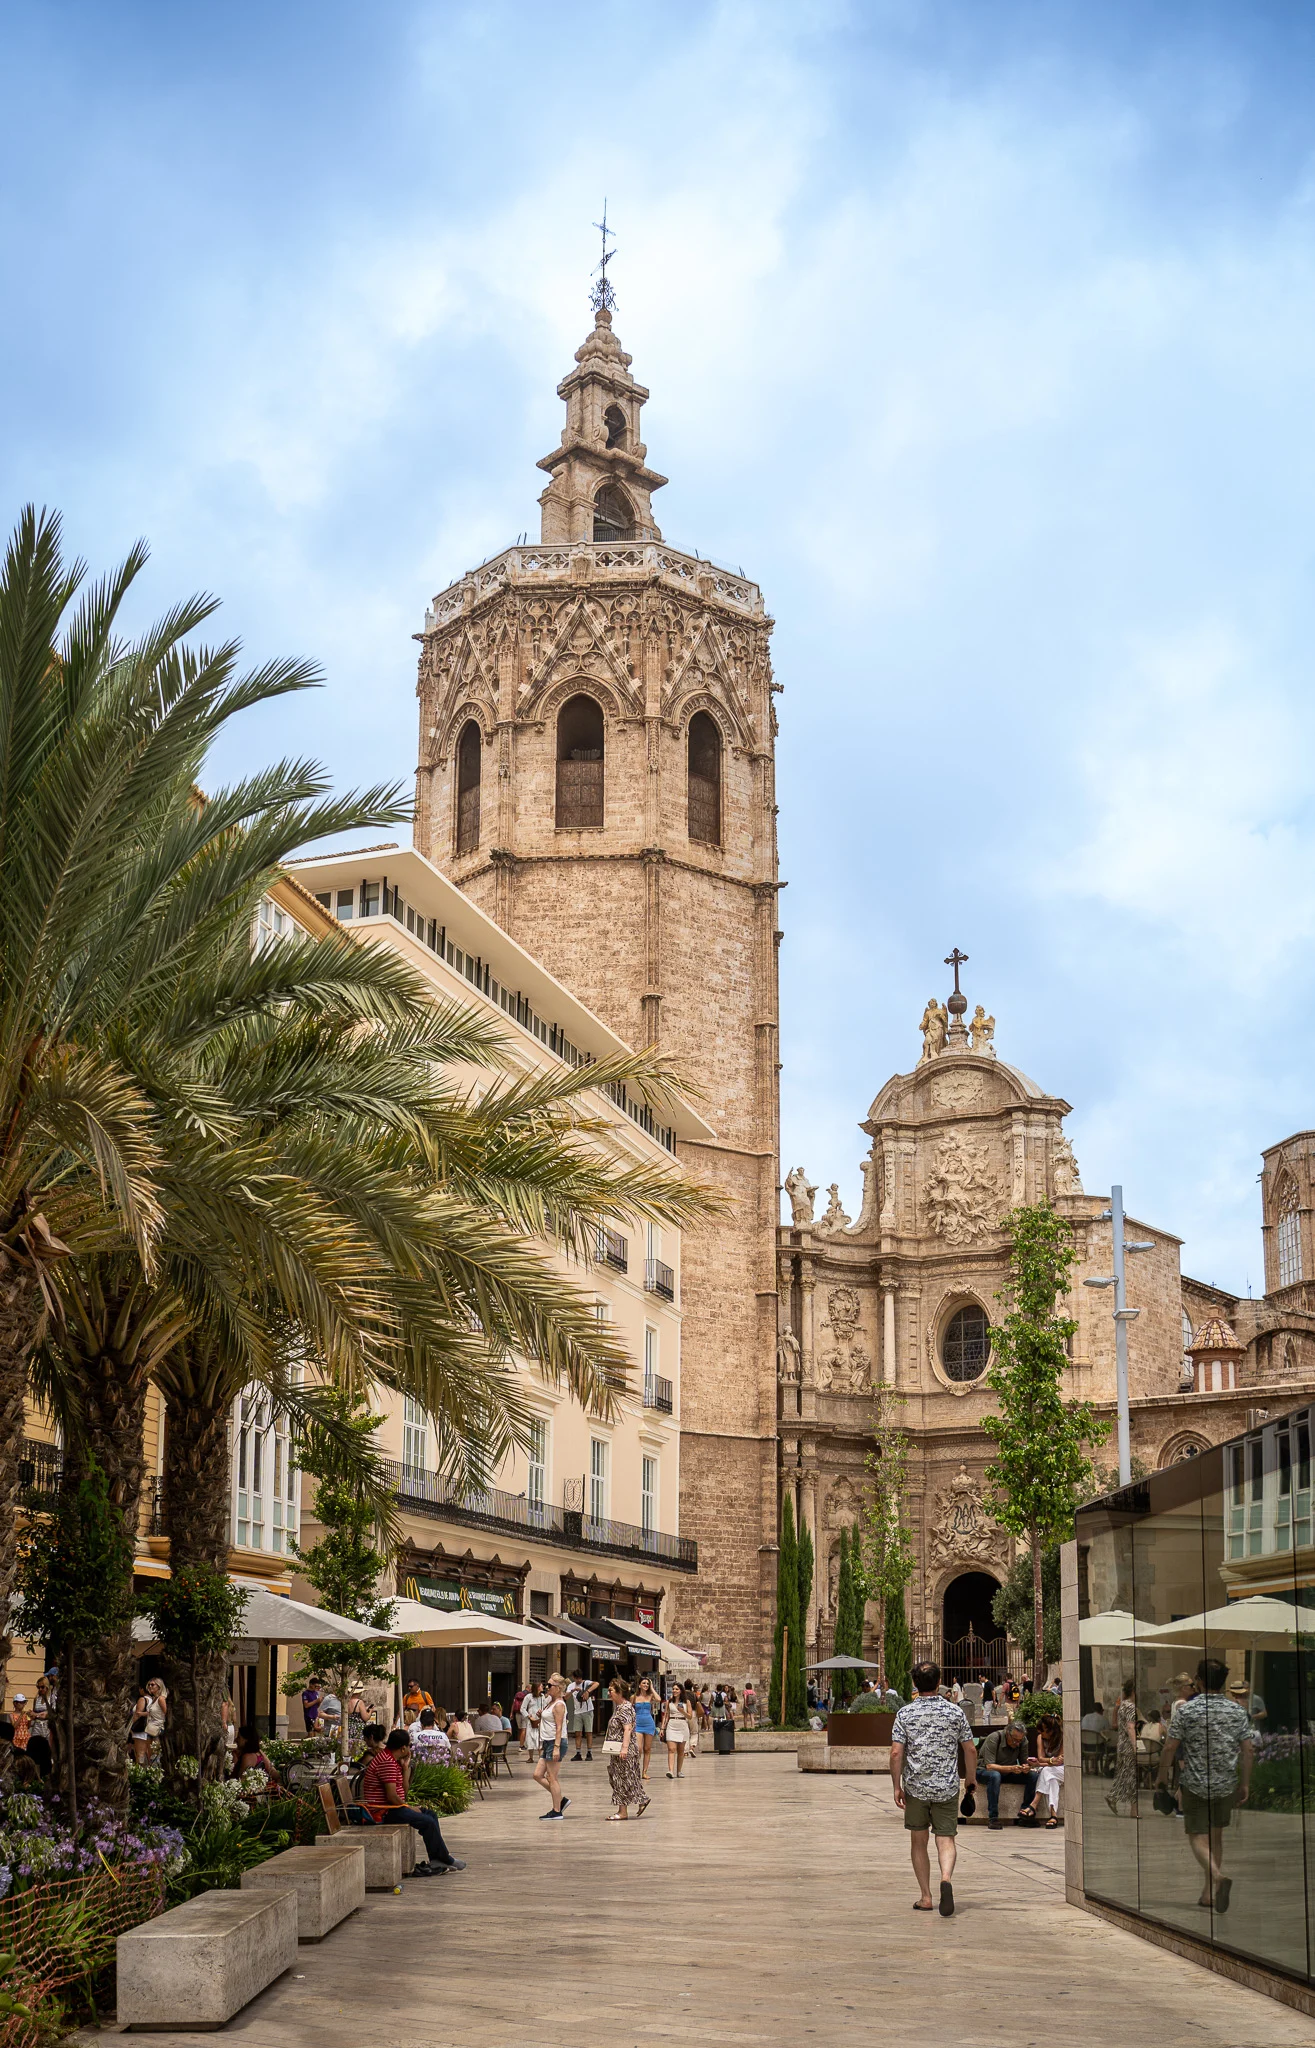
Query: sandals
616	1816
1053	1822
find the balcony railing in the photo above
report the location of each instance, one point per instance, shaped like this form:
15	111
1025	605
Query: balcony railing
613	1250
659	1279
430	1493
658	1394
40	1471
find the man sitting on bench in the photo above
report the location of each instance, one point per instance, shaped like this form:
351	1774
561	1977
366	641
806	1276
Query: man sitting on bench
383	1795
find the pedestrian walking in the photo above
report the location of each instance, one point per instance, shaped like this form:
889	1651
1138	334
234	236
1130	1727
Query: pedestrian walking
150	1716
1213	1734
751	1704
532	1705
695	1703
1123	1792
580	1706
924	1769
552	1754
647	1708
677	1724
621	1748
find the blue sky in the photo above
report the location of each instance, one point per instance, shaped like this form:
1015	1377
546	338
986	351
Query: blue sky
979	335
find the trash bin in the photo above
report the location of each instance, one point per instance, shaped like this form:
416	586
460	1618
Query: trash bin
723	1738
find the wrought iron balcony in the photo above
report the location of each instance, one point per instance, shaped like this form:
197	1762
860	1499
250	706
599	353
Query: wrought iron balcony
613	1250
659	1279
658	1394
434	1495
40	1472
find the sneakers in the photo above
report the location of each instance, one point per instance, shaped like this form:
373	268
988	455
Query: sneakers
454	1864
561	1810
552	1814
577	1758
589	1756
995	1823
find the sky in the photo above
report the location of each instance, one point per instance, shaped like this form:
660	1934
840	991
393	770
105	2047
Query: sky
980	336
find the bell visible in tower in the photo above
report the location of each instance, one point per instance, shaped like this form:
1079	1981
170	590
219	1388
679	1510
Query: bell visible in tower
601	488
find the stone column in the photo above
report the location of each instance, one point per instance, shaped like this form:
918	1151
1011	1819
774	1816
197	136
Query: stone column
807	1290
808	1519
889	1372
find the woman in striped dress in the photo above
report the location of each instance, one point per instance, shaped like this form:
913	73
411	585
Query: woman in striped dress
624	1762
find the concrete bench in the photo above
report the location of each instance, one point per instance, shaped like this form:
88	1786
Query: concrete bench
389	1853
328	1883
201	1962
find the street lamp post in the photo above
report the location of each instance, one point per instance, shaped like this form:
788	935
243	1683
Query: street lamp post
1123	1315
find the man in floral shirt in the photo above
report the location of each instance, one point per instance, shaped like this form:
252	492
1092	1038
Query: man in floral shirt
924	1768
1214	1736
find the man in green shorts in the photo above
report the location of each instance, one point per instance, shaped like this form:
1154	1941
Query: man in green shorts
924	1769
1212	1736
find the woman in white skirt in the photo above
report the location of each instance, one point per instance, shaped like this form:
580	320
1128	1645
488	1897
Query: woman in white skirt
678	1724
1050	1756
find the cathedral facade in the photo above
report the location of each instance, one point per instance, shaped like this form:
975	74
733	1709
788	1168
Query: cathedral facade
901	1299
596	771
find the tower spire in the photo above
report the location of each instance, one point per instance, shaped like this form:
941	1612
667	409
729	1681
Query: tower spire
602	298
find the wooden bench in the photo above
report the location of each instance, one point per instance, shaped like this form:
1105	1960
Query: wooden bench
201	1962
328	1883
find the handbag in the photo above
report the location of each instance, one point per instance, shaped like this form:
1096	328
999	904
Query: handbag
611	1748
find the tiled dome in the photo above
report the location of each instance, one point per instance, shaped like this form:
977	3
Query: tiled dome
1215	1335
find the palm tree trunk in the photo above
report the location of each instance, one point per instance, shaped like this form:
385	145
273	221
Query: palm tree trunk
196	1497
112	1399
20	1308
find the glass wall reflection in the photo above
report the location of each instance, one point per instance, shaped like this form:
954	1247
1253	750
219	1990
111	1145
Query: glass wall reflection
1197	1634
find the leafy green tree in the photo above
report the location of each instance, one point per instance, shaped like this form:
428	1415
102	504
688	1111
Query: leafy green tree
844	1683
75	1581
786	1632
1041	1462
886	1544
1013	1606
345	1566
898	1647
197	1612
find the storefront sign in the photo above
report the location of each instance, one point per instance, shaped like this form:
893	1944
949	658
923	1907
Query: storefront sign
577	1609
246	1650
646	1616
450	1596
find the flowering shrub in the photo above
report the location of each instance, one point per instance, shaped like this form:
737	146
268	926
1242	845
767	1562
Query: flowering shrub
37	1844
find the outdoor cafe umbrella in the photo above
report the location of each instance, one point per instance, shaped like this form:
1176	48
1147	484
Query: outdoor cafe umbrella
1113	1630
843	1664
267	1618
1256	1623
460	1628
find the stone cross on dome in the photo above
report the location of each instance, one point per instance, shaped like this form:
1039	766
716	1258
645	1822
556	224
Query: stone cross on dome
956	1038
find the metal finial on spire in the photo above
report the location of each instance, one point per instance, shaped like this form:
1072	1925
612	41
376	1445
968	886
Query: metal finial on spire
602	298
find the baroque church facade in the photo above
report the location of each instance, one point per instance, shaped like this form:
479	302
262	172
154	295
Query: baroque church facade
596	771
899	1302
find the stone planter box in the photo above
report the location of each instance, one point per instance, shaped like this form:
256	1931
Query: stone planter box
859	1731
198	1964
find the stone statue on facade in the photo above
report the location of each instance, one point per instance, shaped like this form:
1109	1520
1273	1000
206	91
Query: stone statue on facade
934	1025
964	1197
801	1192
835	1217
964	1528
1068	1181
983	1031
788	1358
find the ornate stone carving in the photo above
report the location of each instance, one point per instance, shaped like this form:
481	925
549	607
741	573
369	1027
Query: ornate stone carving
842	1504
787	1358
835	1217
956	1090
963	1528
1068	1180
828	1367
843	1310
964	1194
935	1021
801	1192
983	1031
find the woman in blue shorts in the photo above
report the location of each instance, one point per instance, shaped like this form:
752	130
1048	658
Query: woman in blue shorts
647	1705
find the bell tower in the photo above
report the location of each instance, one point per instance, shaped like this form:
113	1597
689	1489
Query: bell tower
596	770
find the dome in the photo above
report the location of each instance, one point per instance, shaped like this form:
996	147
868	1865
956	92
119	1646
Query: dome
1215	1335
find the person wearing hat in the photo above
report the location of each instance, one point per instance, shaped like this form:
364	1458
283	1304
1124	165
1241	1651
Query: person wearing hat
22	1721
1251	1702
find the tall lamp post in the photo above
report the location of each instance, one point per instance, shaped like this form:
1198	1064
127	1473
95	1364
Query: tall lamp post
1123	1315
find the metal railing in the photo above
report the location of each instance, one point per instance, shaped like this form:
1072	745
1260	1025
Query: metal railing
40	1472
431	1493
659	1279
613	1250
659	1394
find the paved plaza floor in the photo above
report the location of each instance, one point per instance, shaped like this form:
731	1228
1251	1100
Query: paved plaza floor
753	1904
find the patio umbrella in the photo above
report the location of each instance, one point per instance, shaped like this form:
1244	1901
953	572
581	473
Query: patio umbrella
843	1664
269	1619
1112	1630
1259	1622
437	1628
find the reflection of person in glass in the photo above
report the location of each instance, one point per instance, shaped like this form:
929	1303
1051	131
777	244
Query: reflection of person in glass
1212	1735
1123	1792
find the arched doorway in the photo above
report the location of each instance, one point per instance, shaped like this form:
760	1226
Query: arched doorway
972	1642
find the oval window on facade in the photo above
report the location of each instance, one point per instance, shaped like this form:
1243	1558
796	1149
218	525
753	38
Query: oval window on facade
966	1344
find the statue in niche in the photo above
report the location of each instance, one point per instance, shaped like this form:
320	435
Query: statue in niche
1068	1181
788	1358
983	1031
801	1192
860	1371
935	1022
868	1169
835	1217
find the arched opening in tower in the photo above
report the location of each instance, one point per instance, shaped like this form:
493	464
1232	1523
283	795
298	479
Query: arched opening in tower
704	779
580	764
469	768
614	515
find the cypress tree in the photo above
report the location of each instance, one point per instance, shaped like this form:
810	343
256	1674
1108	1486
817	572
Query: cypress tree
797	1695
843	1681
787	1614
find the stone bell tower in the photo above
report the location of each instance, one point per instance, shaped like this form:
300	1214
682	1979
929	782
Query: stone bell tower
596	771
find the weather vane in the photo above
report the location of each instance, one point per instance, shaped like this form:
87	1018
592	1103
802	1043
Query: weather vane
603	298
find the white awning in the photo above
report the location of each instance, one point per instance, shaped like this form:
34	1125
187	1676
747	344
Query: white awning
671	1654
269	1619
437	1628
